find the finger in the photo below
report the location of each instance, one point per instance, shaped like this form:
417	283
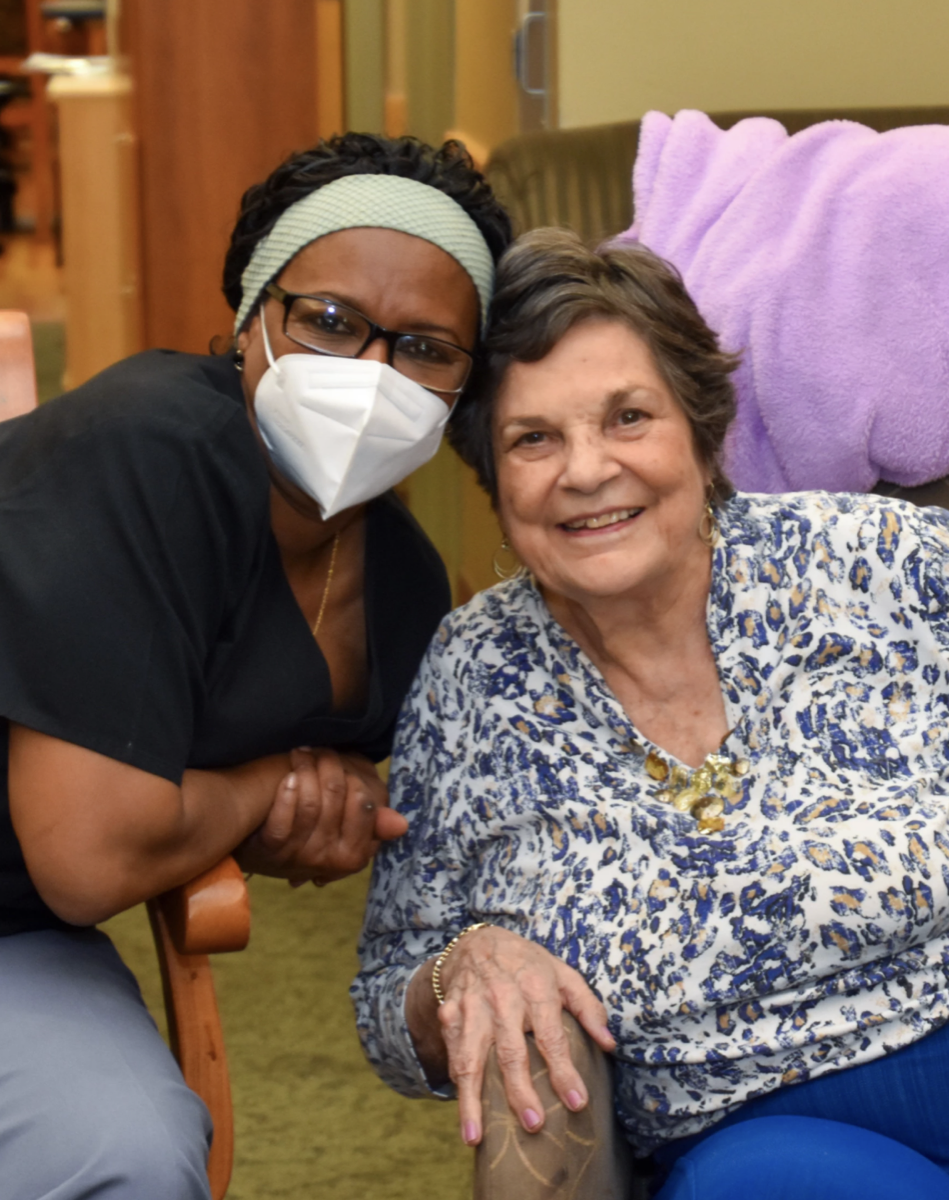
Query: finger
514	1062
278	825
301	755
333	790
551	1038
309	801
358	824
356	764
389	824
582	1001
319	844
467	1043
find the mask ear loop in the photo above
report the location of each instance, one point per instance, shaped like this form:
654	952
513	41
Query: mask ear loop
267	350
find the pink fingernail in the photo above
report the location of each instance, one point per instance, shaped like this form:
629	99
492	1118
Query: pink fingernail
471	1133
531	1119
291	781
574	1099
606	1032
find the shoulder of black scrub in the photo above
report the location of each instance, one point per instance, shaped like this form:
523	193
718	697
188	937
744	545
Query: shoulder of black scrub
157	386
137	411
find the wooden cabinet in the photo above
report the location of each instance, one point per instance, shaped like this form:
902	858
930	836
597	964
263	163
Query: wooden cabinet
100	228
224	90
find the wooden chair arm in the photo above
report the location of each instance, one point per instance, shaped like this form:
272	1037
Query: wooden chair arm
211	914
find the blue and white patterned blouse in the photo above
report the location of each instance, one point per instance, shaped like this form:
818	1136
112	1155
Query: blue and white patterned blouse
811	933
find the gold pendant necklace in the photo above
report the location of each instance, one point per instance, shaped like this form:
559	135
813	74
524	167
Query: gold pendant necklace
326	586
703	792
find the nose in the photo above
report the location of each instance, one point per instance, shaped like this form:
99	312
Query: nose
588	464
377	350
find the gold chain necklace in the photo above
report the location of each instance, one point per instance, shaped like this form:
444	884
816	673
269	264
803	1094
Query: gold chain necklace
703	792
326	586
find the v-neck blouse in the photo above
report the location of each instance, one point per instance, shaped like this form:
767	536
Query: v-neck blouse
812	933
144	609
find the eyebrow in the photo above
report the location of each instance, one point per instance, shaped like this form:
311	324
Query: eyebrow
611	398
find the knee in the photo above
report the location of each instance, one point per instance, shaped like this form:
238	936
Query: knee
156	1148
783	1158
121	1144
580	1153
147	1161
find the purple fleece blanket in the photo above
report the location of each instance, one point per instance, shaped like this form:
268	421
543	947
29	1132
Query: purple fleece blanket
824	257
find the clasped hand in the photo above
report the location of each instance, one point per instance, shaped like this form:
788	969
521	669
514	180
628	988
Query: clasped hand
327	819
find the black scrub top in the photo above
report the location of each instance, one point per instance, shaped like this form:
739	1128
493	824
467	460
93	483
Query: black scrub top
144	610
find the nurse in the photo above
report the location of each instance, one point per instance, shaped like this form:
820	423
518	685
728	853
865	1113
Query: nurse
202	570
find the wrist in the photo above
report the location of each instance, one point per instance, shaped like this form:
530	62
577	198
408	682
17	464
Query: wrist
442	959
421	1019
241	796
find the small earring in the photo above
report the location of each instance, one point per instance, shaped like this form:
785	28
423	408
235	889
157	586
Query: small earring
509	572
708	525
239	360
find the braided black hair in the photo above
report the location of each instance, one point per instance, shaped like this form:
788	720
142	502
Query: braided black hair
448	168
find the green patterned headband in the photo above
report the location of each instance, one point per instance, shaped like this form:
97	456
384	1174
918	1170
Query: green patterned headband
370	201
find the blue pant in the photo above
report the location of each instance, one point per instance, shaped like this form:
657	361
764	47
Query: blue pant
879	1131
92	1104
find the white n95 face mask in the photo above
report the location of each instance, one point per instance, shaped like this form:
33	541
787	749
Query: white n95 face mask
345	429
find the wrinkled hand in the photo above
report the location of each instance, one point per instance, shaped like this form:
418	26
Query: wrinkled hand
327	819
497	986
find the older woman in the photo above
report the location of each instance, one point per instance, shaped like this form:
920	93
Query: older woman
200	574
683	776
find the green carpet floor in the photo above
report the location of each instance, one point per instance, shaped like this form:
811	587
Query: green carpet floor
311	1119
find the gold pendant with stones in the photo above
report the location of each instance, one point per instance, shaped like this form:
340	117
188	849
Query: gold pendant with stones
702	793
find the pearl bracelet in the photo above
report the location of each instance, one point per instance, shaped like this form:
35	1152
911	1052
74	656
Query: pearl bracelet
440	961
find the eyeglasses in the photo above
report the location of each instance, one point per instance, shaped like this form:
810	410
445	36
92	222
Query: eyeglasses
327	327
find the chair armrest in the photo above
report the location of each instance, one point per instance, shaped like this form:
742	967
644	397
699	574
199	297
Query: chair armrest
211	914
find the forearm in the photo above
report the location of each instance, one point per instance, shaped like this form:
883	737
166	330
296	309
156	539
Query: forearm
217	811
122	865
99	836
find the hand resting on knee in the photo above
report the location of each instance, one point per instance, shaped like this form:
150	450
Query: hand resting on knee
497	987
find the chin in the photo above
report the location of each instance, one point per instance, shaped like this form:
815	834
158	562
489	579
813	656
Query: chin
599	585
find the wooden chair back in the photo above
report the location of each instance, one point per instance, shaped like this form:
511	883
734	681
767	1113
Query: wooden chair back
209	915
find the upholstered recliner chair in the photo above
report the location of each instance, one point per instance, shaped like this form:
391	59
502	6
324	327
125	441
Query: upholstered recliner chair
581	178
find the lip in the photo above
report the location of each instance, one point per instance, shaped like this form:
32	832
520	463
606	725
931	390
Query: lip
615	527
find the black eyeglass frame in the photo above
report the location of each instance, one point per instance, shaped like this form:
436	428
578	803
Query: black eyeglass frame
391	337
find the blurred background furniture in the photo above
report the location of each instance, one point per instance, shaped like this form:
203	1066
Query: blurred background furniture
101	228
582	179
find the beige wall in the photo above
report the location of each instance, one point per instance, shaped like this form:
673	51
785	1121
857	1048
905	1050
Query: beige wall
619	58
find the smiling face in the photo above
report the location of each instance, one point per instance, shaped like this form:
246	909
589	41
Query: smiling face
600	489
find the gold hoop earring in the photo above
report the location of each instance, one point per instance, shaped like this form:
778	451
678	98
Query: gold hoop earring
506	572
708	525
